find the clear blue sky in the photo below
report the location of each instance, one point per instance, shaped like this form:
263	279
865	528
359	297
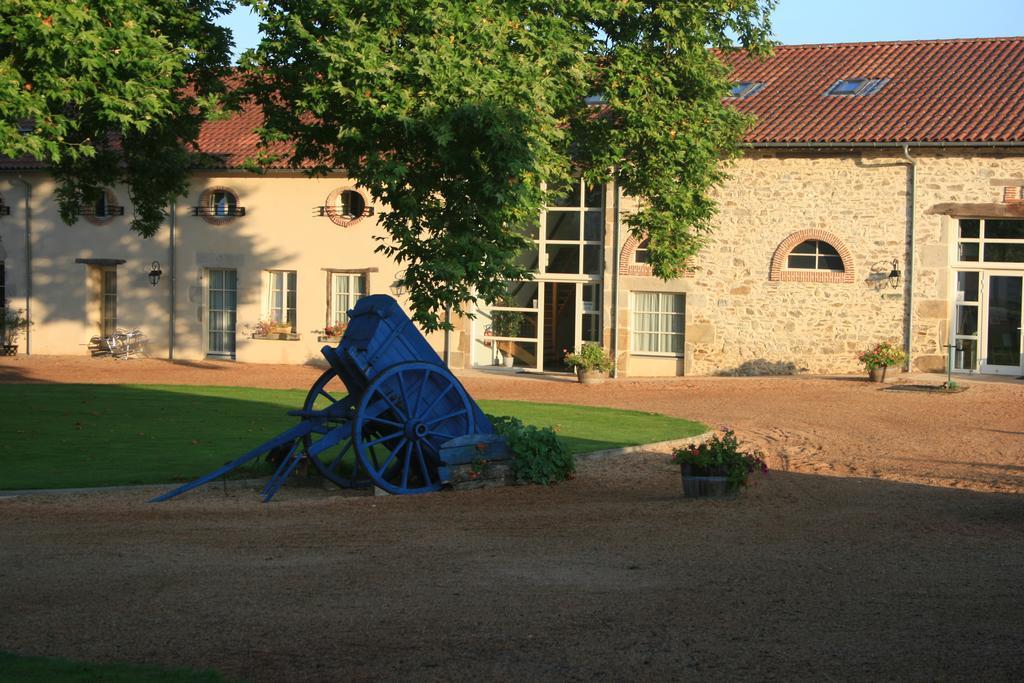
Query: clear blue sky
839	21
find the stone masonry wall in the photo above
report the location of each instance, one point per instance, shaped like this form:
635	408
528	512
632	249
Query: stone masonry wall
742	319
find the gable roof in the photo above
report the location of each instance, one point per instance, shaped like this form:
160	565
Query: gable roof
936	91
234	139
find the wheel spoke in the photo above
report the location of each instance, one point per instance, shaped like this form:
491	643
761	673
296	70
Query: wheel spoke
384	421
370	444
445	417
446	437
399	413
405	465
334	465
403	396
423	465
391	457
329	397
419	394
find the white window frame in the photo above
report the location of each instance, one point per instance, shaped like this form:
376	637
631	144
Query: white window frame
277	281
582	211
982	240
663	316
337	310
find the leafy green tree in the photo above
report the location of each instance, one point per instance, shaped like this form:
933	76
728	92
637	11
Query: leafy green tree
455	113
111	91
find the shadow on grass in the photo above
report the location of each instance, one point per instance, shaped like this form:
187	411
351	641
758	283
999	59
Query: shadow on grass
74	435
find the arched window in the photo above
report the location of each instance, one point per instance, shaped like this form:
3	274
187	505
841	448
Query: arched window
642	254
812	256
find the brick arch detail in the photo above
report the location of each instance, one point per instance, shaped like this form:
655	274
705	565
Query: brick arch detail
626	264
344	221
779	273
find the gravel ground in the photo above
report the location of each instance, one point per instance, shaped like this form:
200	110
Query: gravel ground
888	542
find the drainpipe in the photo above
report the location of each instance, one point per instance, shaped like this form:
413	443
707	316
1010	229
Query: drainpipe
615	280
28	263
908	332
447	338
174	282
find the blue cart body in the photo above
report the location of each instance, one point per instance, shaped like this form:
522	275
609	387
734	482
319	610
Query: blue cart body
403	421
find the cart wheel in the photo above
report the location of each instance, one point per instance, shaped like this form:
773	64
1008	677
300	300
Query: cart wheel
402	419
339	464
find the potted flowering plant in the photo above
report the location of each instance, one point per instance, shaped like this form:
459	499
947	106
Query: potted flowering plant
875	360
333	332
592	363
270	329
716	467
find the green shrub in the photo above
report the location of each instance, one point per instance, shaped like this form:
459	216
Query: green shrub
540	457
590	357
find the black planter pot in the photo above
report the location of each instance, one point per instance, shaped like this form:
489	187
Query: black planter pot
704	483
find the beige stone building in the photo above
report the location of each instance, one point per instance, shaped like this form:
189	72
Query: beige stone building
879	199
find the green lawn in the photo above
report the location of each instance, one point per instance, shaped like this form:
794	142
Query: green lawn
18	669
67	435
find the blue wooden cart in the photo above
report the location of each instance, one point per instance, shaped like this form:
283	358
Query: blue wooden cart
386	413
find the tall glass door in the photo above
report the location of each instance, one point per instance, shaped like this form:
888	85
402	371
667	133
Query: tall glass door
1002	320
537	323
222	316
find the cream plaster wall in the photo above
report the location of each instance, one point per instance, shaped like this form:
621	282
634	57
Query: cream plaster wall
280	231
62	303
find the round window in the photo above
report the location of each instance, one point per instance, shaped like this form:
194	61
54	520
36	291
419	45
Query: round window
350	204
223	203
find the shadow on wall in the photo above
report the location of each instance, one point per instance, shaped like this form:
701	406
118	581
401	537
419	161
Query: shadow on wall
62	284
761	367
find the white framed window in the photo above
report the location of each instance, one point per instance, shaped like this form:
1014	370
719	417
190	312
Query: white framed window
569	236
343	291
590	315
281	297
967	320
642	254
659	321
996	242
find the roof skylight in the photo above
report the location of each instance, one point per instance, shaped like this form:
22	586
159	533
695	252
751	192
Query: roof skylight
746	89
857	86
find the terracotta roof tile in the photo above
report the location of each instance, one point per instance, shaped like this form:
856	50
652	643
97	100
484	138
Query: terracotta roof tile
937	91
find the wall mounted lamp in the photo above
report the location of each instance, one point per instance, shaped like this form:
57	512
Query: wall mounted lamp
155	273
895	275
